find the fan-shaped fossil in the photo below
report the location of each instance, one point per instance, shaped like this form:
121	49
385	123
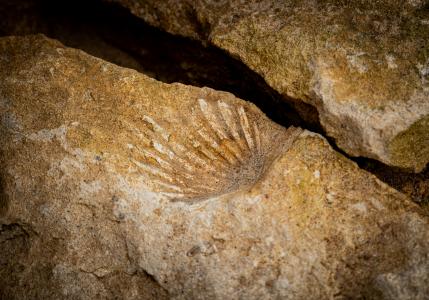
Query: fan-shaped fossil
220	147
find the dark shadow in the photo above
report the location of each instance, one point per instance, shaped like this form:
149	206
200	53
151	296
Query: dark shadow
111	32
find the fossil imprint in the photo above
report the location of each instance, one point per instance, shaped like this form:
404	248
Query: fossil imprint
223	147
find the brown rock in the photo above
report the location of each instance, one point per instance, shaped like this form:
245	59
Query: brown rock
108	175
363	64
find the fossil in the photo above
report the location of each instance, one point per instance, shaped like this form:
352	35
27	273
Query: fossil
226	147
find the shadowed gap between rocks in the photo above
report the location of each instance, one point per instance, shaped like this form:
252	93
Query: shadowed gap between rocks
112	33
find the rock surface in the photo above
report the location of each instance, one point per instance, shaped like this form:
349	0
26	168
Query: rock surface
108	176
363	64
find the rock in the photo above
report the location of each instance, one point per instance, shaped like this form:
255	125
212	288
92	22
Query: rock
363	64
110	178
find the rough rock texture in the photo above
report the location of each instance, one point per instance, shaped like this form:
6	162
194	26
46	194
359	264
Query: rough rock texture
363	64
108	176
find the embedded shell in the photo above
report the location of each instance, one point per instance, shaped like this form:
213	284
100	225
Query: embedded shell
223	150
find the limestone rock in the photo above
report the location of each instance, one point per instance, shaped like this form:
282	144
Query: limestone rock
108	175
363	64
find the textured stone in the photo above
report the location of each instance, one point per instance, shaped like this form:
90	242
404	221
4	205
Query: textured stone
108	175
363	64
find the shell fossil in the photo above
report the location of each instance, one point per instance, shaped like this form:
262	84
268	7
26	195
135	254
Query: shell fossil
224	147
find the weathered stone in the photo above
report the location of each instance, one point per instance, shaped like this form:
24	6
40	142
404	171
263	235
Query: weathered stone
108	175
363	64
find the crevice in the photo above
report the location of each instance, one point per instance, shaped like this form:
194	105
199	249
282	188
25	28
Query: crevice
112	33
416	186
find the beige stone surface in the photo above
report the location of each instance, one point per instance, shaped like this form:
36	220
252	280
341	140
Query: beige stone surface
108	176
363	64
